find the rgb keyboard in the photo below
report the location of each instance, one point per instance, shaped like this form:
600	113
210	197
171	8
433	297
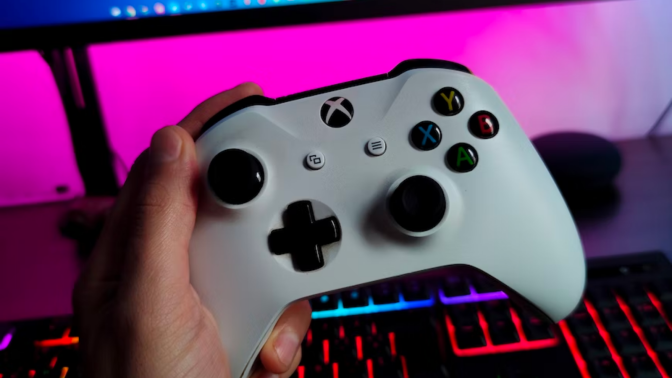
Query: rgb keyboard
443	325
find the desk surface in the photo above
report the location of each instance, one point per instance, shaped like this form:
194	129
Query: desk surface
38	267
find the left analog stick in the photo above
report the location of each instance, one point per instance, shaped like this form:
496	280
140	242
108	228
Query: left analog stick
235	176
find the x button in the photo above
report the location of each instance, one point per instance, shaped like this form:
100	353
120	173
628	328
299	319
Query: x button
426	136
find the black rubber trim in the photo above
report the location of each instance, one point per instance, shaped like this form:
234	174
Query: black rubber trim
402	67
78	34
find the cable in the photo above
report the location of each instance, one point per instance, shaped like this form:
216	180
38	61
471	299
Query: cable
660	120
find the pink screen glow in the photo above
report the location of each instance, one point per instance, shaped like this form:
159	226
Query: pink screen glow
36	153
598	67
601	67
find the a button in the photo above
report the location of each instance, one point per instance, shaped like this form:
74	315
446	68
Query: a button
337	112
315	160
384	293
235	176
633	294
418	204
469	337
462	157
448	101
662	289
376	146
581	322
592	345
536	329
627	342
324	329
426	135
483	125
455	287
324	302
483	285
641	366
414	290
496	310
355	298
666	360
503	332
602	296
463	314
604	368
303	237
660	337
647	315
614	318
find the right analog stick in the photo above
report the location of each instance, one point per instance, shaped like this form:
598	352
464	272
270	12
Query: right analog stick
418	204
235	176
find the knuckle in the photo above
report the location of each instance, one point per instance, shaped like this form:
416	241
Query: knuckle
155	198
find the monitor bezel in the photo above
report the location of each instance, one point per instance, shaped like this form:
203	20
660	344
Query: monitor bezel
43	38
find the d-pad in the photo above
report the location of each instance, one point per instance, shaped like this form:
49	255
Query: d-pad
303	236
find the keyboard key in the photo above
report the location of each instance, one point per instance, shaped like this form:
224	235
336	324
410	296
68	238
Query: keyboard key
463	315
536	329
503	332
627	342
385	293
324	302
613	318
469	337
662	289
641	366
633	294
647	315
593	346
604	368
324	329
455	287
496	310
517	373
414	290
485	285
355	298
660	337
581	322
666	360
601	296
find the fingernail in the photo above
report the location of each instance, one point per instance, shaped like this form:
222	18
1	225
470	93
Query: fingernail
286	346
166	146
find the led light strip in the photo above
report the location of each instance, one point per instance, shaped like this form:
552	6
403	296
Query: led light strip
6	339
607	338
372	308
63	341
656	303
473	296
489	347
574	349
638	330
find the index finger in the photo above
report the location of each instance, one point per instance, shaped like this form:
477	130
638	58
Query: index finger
194	122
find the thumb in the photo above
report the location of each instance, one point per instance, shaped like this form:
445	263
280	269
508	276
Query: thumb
163	219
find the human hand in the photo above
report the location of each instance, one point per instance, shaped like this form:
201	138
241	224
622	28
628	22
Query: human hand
137	313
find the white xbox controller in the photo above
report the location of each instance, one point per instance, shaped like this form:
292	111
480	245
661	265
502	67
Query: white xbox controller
421	168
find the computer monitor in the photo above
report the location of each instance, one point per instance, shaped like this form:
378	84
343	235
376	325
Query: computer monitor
30	24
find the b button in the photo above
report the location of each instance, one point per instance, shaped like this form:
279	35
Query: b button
462	157
483	125
448	101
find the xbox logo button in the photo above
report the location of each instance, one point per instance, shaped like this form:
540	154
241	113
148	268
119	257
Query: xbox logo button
337	112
